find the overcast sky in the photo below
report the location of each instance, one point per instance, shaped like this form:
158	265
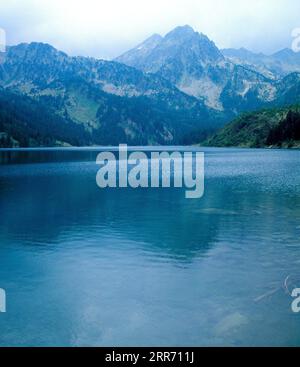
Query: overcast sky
106	28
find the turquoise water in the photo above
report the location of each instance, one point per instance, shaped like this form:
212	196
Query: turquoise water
83	266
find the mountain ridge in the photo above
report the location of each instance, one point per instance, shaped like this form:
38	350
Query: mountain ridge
107	97
182	83
195	65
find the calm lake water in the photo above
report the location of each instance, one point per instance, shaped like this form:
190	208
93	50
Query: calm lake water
83	266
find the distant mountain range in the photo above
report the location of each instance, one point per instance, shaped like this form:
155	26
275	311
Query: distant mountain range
167	90
275	66
115	103
230	81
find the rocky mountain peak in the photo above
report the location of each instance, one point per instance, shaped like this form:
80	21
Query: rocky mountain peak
181	46
184	38
181	32
41	52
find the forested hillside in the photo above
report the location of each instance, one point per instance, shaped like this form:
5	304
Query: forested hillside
267	128
25	122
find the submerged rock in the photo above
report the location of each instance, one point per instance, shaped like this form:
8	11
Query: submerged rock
230	323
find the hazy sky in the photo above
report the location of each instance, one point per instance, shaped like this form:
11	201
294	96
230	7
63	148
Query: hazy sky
106	28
